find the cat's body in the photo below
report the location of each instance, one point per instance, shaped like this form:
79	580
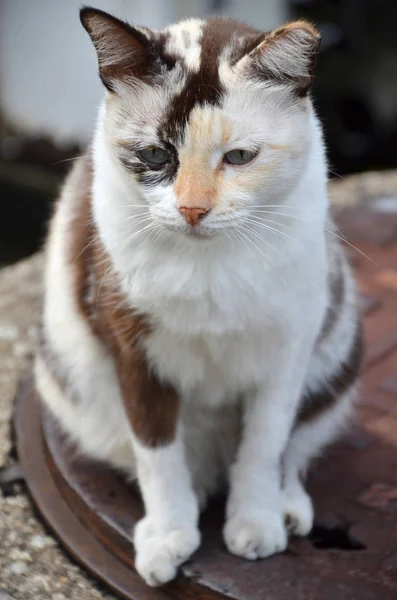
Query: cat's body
183	341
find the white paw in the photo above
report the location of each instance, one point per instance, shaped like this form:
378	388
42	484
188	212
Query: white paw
298	512
159	556
255	538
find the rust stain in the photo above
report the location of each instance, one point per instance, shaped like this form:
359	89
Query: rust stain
379	495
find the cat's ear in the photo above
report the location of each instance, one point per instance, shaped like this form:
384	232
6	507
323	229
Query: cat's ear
123	52
288	55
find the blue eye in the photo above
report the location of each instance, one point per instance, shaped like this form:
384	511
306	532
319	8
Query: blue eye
239	157
154	155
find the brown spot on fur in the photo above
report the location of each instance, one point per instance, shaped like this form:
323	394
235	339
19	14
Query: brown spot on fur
315	403
152	406
204	86
123	51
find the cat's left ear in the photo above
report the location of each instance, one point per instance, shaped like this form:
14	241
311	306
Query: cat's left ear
287	55
123	52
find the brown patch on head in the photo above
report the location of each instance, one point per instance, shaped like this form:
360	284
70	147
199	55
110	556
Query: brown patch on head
152	406
204	86
123	51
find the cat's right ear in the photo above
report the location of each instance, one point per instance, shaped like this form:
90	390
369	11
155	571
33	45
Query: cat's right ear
124	52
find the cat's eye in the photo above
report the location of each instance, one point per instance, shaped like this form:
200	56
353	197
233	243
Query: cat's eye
239	157
154	155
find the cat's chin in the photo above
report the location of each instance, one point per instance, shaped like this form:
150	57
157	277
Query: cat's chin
198	234
192	233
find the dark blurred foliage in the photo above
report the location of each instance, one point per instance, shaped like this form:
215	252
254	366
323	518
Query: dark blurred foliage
355	92
355	88
31	172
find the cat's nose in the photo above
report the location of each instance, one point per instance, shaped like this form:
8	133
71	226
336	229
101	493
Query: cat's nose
193	214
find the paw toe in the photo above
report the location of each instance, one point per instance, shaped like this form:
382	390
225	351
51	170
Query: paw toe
298	514
253	540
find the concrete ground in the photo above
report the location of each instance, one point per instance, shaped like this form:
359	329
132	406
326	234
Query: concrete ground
32	564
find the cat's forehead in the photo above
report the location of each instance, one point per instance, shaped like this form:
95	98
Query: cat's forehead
197	48
196	41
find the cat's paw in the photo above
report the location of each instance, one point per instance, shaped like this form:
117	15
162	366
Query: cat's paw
298	512
255	538
159	556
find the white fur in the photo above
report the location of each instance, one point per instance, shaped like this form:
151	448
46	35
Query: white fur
184	41
235	316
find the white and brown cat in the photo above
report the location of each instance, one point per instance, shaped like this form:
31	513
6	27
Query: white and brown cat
200	324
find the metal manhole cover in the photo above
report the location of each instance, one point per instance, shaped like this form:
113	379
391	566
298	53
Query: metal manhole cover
352	552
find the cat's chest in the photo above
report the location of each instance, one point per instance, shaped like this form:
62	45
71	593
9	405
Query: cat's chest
214	331
211	365
191	302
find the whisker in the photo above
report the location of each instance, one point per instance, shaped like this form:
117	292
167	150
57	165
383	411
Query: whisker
343	239
280	206
268	227
138	218
136	205
243	236
156	237
263	221
281	214
246	229
107	271
331	231
227	233
94	239
70	159
134	235
335	173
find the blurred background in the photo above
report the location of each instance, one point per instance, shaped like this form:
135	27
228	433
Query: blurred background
49	90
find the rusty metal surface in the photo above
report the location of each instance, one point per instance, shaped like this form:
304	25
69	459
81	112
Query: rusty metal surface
352	552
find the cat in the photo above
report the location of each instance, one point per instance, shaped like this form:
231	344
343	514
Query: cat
200	325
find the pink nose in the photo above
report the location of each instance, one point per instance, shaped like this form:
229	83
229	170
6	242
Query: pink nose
193	215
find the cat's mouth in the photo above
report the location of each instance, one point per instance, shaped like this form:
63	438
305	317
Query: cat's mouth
193	232
198	232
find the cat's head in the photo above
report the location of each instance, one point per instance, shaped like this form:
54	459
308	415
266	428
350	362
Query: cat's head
207	119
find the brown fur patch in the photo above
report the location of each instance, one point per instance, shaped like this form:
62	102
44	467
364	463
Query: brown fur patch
315	403
123	51
152	407
204	86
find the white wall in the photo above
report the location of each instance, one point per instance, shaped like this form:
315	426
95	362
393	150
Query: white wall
48	78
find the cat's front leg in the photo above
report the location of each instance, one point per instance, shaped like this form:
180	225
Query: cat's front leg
168	534
255	525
